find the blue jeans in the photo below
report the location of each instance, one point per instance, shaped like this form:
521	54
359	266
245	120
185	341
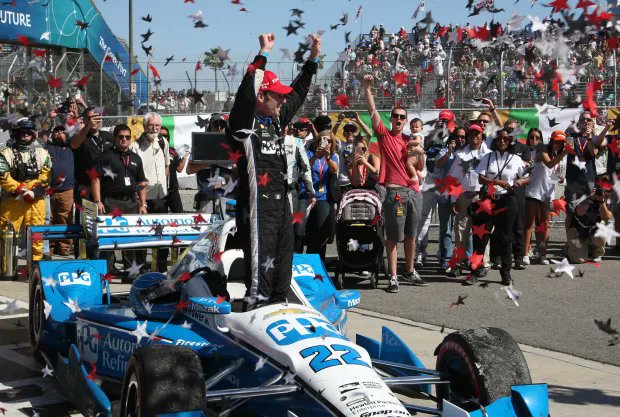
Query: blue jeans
429	200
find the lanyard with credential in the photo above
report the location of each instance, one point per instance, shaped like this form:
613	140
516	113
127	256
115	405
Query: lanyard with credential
501	170
125	160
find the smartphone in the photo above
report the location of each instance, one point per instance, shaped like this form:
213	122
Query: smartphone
350	114
324	142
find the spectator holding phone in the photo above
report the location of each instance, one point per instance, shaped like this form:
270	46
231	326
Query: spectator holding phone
324	163
363	169
350	132
88	144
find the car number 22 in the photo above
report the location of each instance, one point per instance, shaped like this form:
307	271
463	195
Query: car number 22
325	356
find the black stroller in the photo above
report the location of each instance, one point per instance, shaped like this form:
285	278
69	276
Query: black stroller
360	237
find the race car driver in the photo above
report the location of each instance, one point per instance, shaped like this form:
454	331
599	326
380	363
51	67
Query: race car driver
25	171
263	107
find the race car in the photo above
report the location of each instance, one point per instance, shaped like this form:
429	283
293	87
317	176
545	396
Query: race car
190	343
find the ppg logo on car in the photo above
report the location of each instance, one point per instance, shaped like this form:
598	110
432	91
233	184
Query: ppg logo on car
287	331
74	278
117	221
303	270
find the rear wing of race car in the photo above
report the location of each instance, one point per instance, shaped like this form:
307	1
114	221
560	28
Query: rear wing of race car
127	231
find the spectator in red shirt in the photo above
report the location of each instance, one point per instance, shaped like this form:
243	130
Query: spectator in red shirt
403	205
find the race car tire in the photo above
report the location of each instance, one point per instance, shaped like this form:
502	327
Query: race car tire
480	363
36	313
162	379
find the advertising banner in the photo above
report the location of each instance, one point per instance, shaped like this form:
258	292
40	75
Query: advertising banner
75	24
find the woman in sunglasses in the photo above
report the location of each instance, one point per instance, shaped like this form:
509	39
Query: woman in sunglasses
364	167
501	172
549	164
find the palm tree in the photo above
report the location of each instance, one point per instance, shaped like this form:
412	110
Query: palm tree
216	58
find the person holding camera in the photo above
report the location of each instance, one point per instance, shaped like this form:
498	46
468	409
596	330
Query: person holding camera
581	227
88	144
500	174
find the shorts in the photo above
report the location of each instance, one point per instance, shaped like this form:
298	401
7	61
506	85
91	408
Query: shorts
397	227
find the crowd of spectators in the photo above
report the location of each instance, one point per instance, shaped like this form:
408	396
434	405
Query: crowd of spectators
436	66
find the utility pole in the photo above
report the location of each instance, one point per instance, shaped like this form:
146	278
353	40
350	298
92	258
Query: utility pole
131	89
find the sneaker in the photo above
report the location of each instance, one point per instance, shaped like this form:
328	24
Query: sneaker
497	263
543	261
482	272
364	274
526	260
519	265
471	279
445	267
454	272
597	259
414	278
420	259
393	286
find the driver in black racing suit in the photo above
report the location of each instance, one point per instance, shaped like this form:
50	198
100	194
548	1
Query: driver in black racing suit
263	108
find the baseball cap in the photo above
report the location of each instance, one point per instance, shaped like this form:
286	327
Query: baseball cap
475	127
446	115
271	82
58	127
558	135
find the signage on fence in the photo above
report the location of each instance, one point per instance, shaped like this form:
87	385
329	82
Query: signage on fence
56	24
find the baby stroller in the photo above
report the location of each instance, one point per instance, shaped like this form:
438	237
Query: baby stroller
359	236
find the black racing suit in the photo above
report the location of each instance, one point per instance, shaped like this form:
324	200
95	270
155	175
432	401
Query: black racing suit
263	214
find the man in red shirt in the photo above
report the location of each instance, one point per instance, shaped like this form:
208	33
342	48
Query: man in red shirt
402	206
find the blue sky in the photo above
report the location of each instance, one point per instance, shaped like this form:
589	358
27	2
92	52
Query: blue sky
229	28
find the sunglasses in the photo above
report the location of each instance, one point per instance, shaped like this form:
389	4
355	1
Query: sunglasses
350	130
123	137
483	121
399	116
363	149
460	136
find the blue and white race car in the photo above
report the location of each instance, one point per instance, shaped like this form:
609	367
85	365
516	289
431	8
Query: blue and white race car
181	344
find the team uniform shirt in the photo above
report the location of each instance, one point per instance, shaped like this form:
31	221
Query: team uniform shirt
543	180
155	159
507	167
87	154
119	173
463	168
393	166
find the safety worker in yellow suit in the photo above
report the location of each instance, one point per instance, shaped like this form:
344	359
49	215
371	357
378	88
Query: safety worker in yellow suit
25	171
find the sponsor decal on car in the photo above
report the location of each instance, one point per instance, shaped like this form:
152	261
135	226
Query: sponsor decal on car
73	278
191	343
288	331
285	311
303	270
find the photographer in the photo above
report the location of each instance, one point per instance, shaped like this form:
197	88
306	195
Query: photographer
581	227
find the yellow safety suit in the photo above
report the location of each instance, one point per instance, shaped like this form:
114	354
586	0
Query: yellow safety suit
13	206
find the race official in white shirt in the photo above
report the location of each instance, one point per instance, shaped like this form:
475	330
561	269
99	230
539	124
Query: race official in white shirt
502	172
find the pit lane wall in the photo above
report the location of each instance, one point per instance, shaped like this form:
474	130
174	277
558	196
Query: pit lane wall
75	24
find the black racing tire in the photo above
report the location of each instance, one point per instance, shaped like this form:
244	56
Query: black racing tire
162	379
480	363
36	312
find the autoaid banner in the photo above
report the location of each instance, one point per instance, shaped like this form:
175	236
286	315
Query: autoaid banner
75	24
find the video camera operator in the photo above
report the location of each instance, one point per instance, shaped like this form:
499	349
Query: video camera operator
581	227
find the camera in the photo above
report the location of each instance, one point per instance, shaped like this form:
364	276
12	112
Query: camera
599	191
